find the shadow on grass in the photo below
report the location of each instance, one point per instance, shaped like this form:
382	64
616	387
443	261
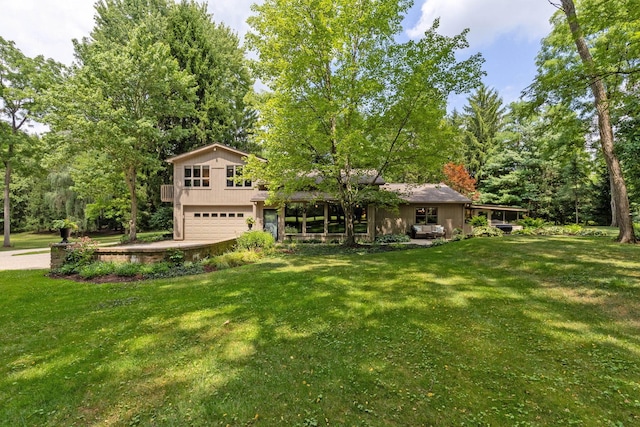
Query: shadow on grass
504	331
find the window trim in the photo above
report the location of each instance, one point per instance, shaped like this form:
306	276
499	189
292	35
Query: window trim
197	176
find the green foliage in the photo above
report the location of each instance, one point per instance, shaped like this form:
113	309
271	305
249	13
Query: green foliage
357	98
64	223
529	222
23	81
96	269
479	221
356	339
256	241
79	254
487	231
393	238
175	256
234	259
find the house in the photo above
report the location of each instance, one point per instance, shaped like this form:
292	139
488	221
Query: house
212	202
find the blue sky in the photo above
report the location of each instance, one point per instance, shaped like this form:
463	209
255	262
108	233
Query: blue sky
506	32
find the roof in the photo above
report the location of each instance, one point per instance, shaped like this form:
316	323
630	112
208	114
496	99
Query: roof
298	196
206	148
500	208
427	193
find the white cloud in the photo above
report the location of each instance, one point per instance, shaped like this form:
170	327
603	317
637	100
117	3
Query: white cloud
233	14
43	27
486	19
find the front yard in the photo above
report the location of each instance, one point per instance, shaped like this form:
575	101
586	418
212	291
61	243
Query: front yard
506	331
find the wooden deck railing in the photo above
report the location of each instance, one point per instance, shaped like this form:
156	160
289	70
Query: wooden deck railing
166	193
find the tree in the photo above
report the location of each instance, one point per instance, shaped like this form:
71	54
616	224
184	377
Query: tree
457	177
482	122
117	99
561	73
22	82
211	53
349	102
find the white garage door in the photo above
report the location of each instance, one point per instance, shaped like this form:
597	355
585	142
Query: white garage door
215	223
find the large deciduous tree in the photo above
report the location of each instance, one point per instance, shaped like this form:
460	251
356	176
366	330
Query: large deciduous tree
606	57
117	99
23	80
350	103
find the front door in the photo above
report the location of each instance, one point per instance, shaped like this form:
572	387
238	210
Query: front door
271	222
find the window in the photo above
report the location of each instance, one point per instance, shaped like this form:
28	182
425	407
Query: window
360	219
197	176
337	223
223	215
428	215
293	218
205	215
232	215
234	173
315	218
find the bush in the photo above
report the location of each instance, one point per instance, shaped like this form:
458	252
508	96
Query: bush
393	238
479	221
256	241
528	222
97	269
162	219
79	254
592	232
487	232
572	229
234	259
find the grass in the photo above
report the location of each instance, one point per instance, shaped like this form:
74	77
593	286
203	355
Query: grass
507	331
43	240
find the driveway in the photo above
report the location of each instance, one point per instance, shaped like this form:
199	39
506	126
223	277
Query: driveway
12	260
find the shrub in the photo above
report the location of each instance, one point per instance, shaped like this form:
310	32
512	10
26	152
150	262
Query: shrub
479	221
393	238
96	269
128	269
162	219
572	229
234	259
439	242
487	232
79	255
175	256
592	232
256	241
528	222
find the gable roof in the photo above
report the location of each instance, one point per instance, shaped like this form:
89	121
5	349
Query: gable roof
207	148
427	193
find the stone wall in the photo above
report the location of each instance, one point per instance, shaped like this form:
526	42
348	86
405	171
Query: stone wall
146	255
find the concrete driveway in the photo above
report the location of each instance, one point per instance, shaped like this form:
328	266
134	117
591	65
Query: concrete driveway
12	260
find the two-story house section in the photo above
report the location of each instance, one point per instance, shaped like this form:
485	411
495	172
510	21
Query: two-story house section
210	200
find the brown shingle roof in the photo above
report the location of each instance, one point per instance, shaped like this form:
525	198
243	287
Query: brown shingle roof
427	193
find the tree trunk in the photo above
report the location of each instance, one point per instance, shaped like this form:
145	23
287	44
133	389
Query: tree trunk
130	175
618	186
614	217
7	205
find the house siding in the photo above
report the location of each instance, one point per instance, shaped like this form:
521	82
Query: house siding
218	195
451	216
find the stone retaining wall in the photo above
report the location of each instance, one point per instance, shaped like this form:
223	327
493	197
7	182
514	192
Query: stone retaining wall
145	255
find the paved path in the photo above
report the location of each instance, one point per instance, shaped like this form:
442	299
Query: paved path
11	260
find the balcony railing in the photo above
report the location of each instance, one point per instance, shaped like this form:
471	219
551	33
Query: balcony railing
166	193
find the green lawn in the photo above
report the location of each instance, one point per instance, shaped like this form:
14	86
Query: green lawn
43	240
506	331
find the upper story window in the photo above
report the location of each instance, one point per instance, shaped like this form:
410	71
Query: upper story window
197	176
234	173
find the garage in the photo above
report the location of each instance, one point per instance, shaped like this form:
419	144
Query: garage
215	223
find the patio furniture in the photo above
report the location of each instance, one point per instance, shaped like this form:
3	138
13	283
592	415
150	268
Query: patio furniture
428	231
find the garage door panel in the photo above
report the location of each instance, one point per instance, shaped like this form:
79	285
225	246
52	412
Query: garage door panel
215	223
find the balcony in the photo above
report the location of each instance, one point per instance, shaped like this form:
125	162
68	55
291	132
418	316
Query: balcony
166	193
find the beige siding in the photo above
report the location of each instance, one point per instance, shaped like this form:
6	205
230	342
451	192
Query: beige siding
217	196
450	216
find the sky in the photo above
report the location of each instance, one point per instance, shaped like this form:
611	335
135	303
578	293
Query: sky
506	32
